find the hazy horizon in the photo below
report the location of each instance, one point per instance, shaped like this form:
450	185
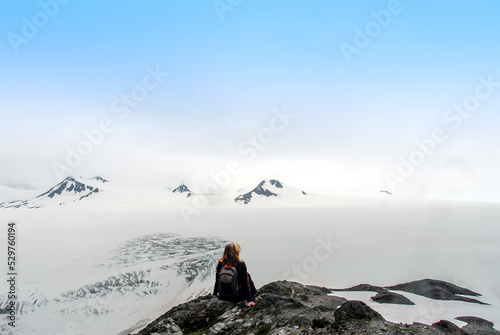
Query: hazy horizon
345	97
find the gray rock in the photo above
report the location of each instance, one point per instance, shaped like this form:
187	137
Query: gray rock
362	288
356	311
477	326
291	308
437	289
168	327
282	307
447	326
391	298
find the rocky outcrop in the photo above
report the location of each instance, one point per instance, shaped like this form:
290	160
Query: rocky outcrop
259	190
68	190
362	288
269	189
477	326
291	308
182	188
281	306
437	289
430	288
391	298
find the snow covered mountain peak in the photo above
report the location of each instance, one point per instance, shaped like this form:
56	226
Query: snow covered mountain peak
268	188
68	190
276	183
182	188
70	186
101	179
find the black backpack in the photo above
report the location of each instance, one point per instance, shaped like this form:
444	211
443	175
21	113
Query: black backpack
228	282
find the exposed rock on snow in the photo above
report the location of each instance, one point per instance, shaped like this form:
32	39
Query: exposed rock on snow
68	190
363	287
267	188
430	288
182	188
477	326
100	179
437	289
391	298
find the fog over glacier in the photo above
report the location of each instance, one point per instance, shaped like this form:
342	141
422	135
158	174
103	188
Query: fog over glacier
116	260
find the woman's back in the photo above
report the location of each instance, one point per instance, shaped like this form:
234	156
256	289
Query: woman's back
229	270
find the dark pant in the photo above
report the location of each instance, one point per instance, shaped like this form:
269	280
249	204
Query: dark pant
251	286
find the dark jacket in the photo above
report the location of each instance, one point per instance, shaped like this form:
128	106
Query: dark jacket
243	283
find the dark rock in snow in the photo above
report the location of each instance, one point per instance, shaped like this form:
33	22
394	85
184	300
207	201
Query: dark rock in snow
477	326
437	289
70	185
261	190
362	288
447	327
392	298
95	190
476	321
356	311
100	179
182	188
276	183
430	288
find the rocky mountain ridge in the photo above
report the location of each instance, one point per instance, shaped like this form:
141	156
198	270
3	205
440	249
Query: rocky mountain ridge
267	189
68	190
182	188
285	307
430	288
72	190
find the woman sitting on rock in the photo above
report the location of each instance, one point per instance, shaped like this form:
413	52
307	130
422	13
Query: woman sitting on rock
232	281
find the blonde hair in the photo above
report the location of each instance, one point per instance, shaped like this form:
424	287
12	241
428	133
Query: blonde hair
231	254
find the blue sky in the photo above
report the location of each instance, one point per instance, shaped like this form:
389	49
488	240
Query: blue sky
228	71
